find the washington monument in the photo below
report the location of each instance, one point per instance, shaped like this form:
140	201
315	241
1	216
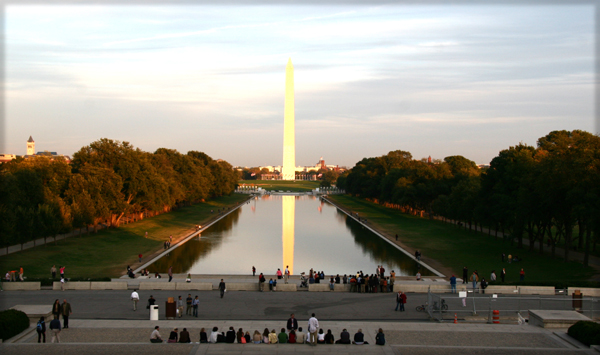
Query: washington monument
288	172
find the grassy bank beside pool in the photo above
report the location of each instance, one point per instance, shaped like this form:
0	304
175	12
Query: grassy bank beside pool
108	252
455	248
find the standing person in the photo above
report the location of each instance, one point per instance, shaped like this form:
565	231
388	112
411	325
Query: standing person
140	257
222	288
503	274
493	276
66	313
41	329
53	271
179	306
465	277
279	274
261	282
453	284
292	323
62	283
402	301
195	304
170	273
382	272
135	297
286	274
522	275
55	327
253	271
56	309
313	327
418	276
474	279
188	303
151	302
398	300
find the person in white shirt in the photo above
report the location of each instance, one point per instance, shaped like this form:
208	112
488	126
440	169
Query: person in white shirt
213	336
313	328
135	298
493	276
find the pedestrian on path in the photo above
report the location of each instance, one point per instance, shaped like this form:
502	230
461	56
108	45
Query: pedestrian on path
453	284
135	297
313	328
140	257
503	274
286	274
195	304
474	279
170	273
55	327
66	313
253	271
261	282
56	309
465	277
188	302
222	288
41	329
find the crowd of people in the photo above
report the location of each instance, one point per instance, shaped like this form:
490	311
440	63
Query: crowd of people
291	334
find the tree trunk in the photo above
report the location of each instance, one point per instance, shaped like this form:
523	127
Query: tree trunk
586	255
582	228
568	236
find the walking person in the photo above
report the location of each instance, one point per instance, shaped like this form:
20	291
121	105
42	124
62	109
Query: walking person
261	282
41	329
135	297
180	306
398	300
170	273
55	327
313	328
66	313
503	274
53	271
253	271
222	288
56	309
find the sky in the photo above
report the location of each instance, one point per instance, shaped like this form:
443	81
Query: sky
432	80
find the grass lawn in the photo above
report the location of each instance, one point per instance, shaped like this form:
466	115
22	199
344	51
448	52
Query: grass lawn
107	253
455	247
293	186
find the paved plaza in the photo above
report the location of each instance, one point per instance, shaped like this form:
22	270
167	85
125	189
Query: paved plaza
104	322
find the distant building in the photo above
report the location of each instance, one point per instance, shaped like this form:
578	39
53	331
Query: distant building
5	158
30	146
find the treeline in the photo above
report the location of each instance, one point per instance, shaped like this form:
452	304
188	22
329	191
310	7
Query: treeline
549	194
108	182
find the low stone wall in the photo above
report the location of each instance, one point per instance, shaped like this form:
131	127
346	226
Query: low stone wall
586	291
287	287
244	286
503	290
196	286
535	290
21	286
318	288
107	285
341	288
75	285
157	285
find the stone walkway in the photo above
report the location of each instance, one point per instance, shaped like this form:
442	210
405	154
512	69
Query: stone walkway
132	336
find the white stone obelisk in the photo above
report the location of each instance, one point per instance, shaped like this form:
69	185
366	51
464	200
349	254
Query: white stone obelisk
288	172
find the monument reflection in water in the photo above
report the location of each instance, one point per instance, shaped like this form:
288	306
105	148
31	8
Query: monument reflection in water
312	234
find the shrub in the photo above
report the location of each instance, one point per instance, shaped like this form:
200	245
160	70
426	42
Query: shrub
12	322
586	332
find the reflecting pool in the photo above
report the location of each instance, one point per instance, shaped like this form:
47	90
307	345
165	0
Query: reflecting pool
276	231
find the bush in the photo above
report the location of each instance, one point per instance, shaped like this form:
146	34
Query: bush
586	332
12	322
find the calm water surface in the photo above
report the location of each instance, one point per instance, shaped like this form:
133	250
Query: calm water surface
271	232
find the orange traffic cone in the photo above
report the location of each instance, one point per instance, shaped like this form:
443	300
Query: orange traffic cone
455	320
